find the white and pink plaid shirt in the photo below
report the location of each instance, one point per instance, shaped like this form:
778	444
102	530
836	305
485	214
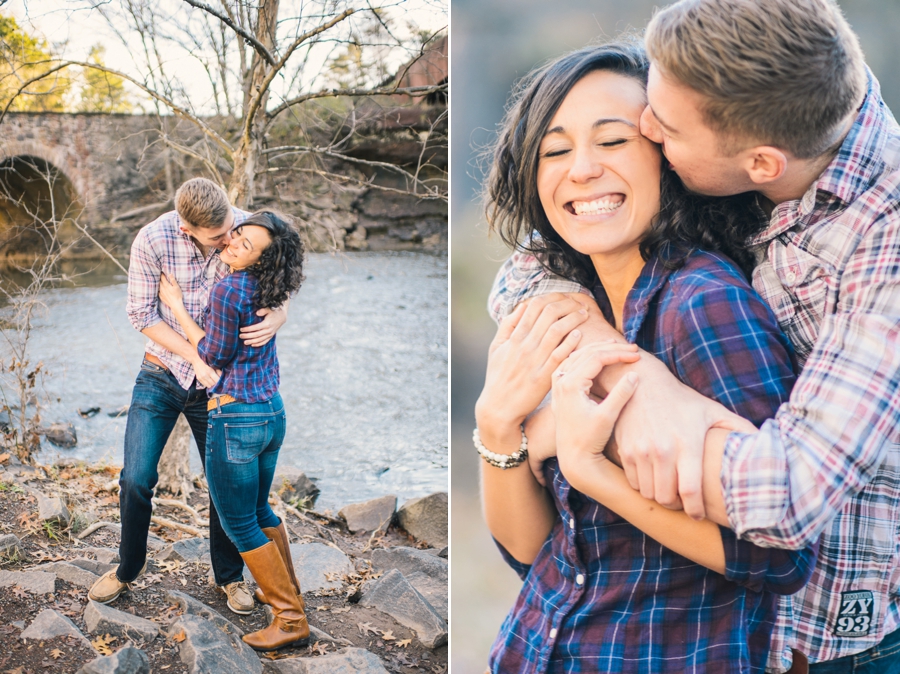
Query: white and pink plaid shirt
828	464
160	247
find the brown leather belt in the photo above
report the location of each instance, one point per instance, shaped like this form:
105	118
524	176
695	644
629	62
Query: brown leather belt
219	400
150	358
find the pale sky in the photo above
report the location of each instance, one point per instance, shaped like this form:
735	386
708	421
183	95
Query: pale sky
73	27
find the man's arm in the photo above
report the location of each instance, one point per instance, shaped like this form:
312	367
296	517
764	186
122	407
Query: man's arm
260	333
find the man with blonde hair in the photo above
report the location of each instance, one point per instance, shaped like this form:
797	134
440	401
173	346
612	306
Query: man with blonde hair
173	379
773	97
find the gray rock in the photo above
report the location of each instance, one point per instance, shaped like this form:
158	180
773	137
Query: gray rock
434	591
11	546
18	623
292	483
61	434
49	624
191	606
393	594
426	518
410	561
208	650
53	509
369	515
70	573
347	661
128	660
314	563
105	555
93	565
36	582
100	619
185	550
314	632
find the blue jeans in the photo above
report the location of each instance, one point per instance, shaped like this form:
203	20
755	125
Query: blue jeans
883	658
242	444
156	402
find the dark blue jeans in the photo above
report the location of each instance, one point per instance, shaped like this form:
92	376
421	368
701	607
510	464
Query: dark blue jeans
881	659
242	444
156	402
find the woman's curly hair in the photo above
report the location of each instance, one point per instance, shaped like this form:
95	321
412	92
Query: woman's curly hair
279	270
685	222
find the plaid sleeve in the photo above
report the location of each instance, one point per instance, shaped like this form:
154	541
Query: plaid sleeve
785	484
770	569
520	568
223	322
144	270
521	277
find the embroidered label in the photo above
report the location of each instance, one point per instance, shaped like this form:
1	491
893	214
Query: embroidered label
855	615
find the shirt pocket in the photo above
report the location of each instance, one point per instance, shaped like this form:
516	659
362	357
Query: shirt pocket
246	441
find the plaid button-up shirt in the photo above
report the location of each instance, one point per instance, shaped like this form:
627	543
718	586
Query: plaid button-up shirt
160	247
249	373
829	462
602	596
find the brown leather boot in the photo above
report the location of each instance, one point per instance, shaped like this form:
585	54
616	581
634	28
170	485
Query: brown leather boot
279	536
289	627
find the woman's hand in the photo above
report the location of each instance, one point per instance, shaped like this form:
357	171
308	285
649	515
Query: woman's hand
170	292
540	429
529	345
584	424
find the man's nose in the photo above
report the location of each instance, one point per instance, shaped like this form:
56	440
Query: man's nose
650	126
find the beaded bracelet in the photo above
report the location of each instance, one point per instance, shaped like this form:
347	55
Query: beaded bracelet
502	461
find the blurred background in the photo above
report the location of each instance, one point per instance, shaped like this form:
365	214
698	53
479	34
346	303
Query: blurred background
494	42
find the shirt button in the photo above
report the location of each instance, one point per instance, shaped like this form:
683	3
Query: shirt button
790	277
571	522
553	633
579	579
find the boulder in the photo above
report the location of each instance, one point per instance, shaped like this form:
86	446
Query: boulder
319	566
191	606
410	561
393	594
185	550
100	619
53	509
434	591
36	582
95	566
128	660
207	649
61	434
369	515
426	518
70	573
49	624
292	484
105	555
347	661
11	546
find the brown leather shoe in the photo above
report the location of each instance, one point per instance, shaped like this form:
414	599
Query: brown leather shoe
238	596
289	627
279	536
108	587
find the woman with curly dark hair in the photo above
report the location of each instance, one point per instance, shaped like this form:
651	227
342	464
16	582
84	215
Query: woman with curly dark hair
612	582
246	414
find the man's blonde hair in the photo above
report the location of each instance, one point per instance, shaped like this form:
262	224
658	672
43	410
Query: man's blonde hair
201	203
781	72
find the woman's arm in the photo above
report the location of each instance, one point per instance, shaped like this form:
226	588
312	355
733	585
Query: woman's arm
170	295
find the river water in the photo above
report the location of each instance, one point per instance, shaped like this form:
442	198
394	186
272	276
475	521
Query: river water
363	373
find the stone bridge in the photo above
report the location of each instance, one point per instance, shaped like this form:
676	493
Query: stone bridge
112	174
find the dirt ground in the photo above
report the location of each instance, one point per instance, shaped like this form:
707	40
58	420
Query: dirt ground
332	611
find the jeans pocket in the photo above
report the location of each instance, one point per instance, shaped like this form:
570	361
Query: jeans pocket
245	441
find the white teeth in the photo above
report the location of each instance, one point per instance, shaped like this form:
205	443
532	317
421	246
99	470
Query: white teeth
604	205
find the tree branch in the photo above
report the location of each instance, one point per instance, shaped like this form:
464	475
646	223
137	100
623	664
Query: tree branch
379	91
28	83
256	44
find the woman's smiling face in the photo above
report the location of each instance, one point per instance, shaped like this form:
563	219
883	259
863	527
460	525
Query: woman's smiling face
598	177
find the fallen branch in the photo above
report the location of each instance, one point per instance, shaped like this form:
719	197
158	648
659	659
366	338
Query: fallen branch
175	503
188	529
91	529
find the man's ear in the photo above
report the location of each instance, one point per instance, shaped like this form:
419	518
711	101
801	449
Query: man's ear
764	164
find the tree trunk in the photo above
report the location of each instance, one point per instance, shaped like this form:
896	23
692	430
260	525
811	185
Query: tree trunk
175	462
248	155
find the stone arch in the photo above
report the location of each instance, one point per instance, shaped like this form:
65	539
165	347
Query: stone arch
39	202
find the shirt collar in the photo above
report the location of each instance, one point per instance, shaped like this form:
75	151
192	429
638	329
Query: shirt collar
871	146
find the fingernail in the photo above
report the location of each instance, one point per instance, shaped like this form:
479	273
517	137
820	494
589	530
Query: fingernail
583	312
631	378
576	333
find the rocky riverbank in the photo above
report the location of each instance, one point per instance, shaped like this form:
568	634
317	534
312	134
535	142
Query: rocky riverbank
374	578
